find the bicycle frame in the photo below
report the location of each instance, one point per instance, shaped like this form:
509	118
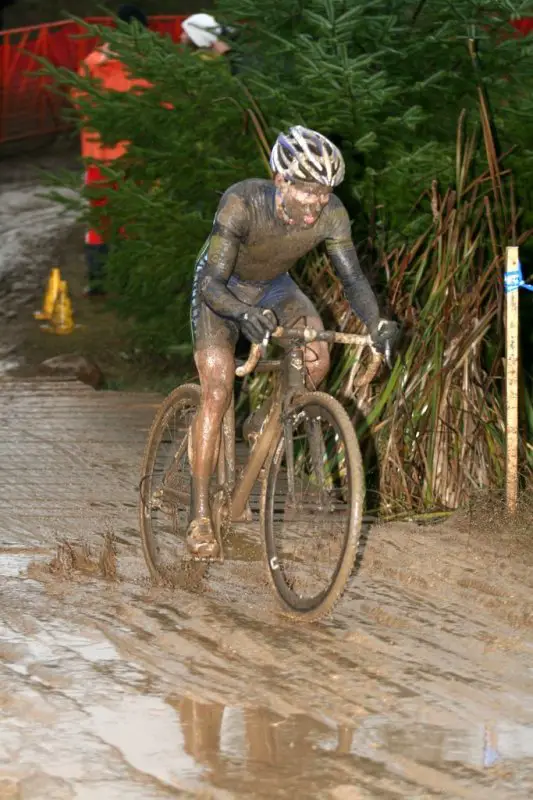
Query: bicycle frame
292	367
292	382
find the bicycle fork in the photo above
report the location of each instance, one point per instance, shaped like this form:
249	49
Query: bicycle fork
295	382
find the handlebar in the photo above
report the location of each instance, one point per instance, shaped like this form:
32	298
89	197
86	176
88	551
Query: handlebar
307	335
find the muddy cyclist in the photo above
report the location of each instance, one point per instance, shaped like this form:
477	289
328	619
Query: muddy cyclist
242	283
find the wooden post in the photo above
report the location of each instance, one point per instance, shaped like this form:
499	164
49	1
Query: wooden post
511	381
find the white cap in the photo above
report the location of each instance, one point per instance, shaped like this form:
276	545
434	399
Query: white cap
202	29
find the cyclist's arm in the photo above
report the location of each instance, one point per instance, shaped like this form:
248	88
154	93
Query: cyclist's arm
343	256
229	230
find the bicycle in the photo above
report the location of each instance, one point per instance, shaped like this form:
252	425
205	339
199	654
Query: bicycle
306	455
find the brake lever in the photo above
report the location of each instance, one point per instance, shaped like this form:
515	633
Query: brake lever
264	343
388	354
266	339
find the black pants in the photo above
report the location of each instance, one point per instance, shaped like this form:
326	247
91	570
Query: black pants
95	259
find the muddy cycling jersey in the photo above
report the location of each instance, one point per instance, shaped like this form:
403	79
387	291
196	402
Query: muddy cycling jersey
249	253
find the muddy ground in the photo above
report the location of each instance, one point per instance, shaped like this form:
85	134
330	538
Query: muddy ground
419	686
37	234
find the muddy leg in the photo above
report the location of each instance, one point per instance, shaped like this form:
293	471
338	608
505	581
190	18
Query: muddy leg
316	355
216	368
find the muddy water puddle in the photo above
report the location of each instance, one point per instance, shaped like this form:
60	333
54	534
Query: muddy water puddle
120	690
78	711
419	686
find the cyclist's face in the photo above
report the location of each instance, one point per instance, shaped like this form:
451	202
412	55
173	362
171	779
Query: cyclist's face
303	203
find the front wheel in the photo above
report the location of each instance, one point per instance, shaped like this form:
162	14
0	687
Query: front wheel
312	506
165	488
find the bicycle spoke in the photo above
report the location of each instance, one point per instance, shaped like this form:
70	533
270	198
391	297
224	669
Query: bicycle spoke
166	488
169	498
318	456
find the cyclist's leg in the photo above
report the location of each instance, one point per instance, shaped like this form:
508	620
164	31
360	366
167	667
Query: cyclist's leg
214	344
294	309
216	369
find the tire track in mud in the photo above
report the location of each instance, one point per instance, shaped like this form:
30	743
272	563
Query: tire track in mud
417	687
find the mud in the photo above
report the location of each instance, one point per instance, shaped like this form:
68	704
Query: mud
73	557
36	235
419	686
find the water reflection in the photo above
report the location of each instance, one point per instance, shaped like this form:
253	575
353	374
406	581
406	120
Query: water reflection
244	744
247	743
452	741
490	746
11	566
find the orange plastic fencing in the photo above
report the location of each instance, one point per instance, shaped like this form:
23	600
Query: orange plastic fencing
28	107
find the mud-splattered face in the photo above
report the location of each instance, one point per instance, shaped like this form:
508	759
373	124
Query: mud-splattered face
301	204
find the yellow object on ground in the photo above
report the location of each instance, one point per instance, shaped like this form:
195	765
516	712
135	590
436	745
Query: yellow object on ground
62	320
50	295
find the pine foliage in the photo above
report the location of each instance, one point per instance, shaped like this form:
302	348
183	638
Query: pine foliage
389	78
180	161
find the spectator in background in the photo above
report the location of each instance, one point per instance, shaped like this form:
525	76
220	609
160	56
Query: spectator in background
113	76
202	32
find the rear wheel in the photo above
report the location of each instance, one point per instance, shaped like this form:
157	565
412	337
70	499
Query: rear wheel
165	489
312	506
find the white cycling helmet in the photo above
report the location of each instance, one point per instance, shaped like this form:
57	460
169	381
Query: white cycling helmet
305	155
202	29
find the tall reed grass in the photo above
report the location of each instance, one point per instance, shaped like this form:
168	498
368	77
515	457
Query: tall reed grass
437	420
